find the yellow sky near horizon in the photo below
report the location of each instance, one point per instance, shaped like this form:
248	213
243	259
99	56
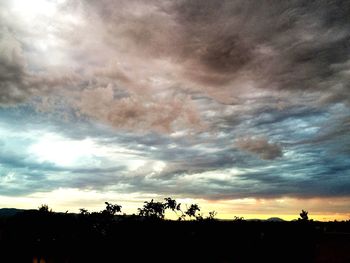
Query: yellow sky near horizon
61	200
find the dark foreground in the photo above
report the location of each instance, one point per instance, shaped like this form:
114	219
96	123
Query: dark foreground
32	236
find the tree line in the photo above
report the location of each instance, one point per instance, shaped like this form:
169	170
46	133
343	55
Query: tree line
157	209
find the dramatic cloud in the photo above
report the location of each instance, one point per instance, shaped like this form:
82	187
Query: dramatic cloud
137	112
261	147
12	69
218	100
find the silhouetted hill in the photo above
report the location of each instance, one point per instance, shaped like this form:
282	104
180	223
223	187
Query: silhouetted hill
8	212
271	219
275	219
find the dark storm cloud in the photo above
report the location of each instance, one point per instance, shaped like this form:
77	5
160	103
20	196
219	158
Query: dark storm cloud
314	175
218	46
194	84
12	69
288	45
210	47
186	156
260	146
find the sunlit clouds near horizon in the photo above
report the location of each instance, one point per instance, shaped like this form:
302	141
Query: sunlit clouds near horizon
241	106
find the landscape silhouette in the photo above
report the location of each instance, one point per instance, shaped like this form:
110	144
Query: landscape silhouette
42	235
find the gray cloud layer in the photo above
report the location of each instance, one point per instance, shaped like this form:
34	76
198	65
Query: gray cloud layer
261	147
185	83
220	48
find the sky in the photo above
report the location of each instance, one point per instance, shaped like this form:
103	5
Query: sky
240	106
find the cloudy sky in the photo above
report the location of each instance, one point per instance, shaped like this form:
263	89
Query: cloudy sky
241	106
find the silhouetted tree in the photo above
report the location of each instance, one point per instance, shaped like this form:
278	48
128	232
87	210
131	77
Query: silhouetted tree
238	218
111	209
304	215
152	210
170	203
212	215
44	208
192	211
174	206
84	211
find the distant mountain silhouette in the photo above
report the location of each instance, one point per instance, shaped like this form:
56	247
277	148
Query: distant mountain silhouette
271	219
275	219
8	212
